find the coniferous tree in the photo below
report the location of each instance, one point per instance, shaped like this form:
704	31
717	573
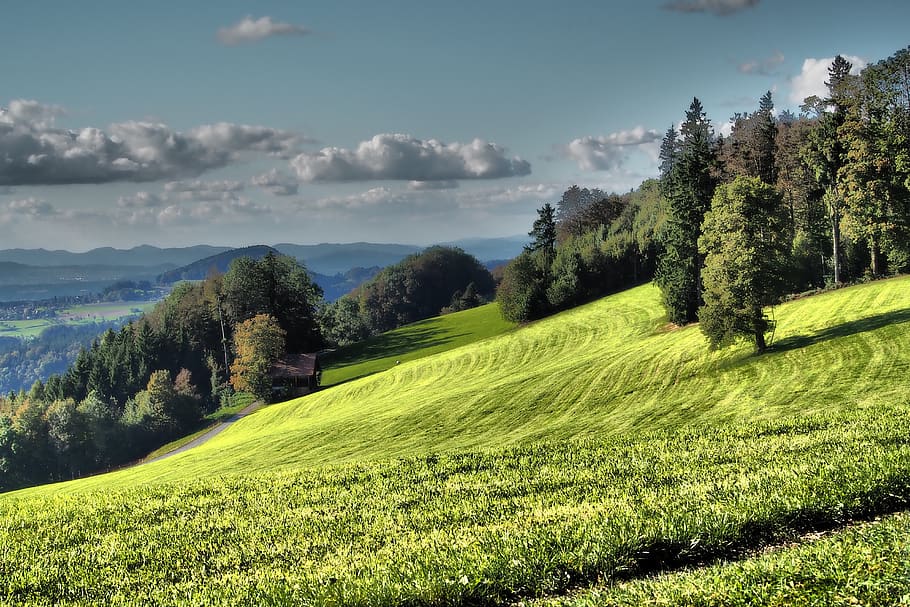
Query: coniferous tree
544	234
825	154
689	186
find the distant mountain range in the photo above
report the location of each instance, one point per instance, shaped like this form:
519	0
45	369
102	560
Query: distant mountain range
142	256
337	268
326	258
333	286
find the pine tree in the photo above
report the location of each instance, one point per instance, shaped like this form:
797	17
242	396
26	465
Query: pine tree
544	234
825	154
689	186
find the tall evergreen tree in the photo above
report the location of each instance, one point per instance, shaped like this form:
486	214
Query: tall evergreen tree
689	186
544	234
825	154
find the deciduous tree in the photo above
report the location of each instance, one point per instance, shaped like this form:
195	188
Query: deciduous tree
258	343
745	245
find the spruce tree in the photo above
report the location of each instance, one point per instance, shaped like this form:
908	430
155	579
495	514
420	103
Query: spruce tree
688	187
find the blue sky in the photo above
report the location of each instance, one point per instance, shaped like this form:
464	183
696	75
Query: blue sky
175	123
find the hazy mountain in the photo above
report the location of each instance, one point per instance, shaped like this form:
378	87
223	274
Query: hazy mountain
38	273
337	285
20	282
331	258
489	249
199	269
144	255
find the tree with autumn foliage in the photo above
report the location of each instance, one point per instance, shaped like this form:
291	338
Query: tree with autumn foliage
258	343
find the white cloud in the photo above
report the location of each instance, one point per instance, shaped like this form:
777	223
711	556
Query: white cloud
390	202
35	152
718	7
500	197
609	152
249	30
32	207
762	67
402	157
277	183
813	75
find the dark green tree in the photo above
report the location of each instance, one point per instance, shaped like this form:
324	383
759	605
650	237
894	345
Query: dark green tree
688	186
543	233
825	154
746	251
276	285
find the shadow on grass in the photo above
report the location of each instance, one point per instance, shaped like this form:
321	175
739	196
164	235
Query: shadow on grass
853	327
416	337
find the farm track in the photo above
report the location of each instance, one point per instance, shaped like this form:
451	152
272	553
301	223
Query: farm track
214	431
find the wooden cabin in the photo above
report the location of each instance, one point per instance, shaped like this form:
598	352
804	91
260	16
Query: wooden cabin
295	375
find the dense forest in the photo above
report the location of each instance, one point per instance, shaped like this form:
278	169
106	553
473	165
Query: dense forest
784	204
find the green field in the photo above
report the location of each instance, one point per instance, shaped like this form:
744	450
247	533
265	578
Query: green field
868	564
411	342
577	451
75	315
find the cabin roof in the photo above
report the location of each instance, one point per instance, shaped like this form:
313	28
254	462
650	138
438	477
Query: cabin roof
295	365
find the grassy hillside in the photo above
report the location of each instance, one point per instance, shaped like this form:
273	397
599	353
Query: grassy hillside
610	367
417	340
587	447
867	564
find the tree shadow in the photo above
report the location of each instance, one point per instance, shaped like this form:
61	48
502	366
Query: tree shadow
852	327
384	346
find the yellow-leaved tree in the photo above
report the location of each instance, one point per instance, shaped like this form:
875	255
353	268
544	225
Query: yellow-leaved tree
258	343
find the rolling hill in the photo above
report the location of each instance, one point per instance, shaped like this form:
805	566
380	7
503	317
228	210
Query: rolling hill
591	446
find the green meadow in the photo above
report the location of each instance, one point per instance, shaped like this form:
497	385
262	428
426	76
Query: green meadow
75	315
411	342
573	454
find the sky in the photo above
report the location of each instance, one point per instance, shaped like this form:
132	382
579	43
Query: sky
239	123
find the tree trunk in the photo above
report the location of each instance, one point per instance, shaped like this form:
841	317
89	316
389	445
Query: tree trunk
760	345
874	254
835	241
758	322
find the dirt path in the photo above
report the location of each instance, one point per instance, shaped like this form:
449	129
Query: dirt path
213	431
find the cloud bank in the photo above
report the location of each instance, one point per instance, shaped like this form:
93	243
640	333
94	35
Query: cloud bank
608	152
33	151
402	157
249	30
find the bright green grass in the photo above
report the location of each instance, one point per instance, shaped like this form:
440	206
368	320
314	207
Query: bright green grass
413	341
865	565
577	449
239	401
107	311
606	368
477	528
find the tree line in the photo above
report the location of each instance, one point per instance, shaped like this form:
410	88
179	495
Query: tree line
786	203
